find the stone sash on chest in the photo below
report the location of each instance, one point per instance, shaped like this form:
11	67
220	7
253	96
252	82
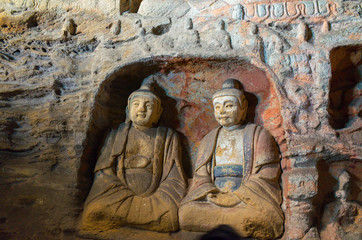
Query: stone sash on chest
230	177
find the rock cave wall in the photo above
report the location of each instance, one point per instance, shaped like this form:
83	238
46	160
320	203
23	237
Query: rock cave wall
66	69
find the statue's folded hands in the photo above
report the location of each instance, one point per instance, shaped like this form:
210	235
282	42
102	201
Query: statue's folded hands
223	199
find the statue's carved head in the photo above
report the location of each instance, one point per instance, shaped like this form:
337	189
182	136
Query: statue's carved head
144	107
230	104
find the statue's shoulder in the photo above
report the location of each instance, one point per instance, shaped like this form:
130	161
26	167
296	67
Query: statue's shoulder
166	130
206	148
211	135
263	134
258	131
253	127
118	128
209	140
266	148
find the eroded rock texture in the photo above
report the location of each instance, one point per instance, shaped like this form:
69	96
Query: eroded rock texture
66	69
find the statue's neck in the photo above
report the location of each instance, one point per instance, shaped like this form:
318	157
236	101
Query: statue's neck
234	127
143	131
140	128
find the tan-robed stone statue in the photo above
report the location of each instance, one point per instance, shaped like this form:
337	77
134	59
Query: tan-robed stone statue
236	179
138	178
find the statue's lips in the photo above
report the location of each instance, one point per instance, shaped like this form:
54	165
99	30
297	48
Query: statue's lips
141	115
223	118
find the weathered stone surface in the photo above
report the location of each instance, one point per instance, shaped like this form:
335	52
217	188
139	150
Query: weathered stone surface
342	218
252	10
58	95
160	8
303	183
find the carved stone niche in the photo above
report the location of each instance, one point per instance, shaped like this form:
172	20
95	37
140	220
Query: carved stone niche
338	202
345	87
185	86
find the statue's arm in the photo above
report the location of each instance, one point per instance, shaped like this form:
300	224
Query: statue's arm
105	159
173	180
267	158
202	184
263	182
105	180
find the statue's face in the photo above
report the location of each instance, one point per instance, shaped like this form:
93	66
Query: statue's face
227	111
144	110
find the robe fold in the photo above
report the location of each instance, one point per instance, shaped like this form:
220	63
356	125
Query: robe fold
258	214
111	204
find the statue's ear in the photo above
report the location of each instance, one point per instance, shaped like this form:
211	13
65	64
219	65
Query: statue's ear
160	111
127	116
245	106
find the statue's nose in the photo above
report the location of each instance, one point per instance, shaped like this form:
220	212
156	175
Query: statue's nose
142	107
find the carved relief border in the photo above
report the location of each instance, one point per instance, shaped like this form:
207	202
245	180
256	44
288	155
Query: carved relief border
287	10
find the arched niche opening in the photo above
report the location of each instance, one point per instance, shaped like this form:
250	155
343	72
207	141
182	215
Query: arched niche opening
328	172
345	87
185	86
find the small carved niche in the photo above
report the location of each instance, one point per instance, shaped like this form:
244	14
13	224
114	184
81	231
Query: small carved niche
345	87
328	173
185	86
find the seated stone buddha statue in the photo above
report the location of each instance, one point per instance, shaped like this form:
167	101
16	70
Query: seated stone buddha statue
236	178
138	177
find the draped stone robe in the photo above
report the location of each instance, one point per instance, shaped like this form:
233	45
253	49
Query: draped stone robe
111	203
258	214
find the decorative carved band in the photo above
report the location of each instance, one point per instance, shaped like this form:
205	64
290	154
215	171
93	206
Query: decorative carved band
286	10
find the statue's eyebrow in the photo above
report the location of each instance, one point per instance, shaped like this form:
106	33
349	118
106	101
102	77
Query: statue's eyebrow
216	101
229	101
